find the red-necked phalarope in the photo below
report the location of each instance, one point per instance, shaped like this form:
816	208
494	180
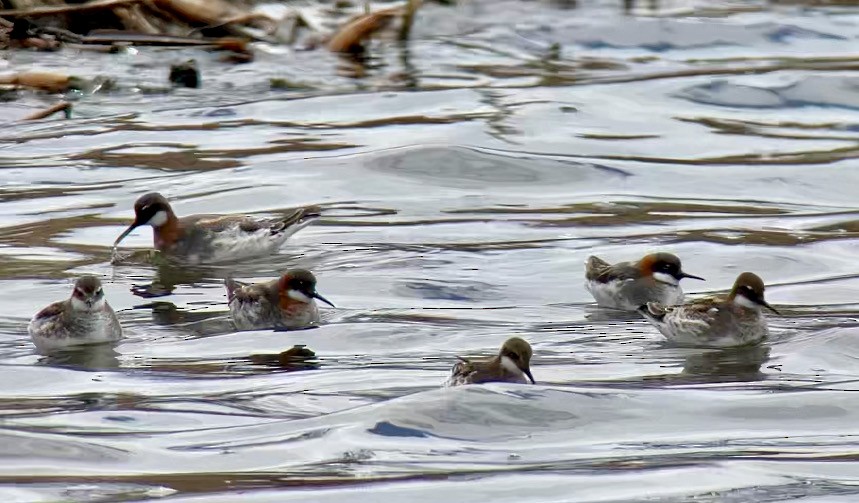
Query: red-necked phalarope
286	302
511	364
628	285
83	318
735	320
213	238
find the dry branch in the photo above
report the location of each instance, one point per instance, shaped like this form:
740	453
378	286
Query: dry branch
351	36
52	82
65	9
63	106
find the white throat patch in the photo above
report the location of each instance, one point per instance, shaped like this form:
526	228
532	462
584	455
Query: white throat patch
511	367
299	296
744	301
79	305
665	278
158	219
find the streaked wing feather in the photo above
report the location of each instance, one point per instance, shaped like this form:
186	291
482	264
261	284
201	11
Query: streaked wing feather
696	317
221	223
617	272
50	311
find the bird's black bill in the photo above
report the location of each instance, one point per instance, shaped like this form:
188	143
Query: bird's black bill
323	299
764	303
692	276
528	373
126	232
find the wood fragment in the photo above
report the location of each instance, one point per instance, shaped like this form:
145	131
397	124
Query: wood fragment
117	36
65	9
134	19
52	82
63	106
351	36
231	44
199	11
408	19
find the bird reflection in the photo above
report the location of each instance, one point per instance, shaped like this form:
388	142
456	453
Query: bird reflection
89	357
738	364
167	277
298	357
596	314
189	323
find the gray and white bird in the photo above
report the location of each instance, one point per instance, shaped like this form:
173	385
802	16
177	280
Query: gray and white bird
721	321
628	285
511	364
83	318
206	239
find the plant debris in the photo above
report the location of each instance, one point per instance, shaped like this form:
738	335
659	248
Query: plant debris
185	74
116	26
63	106
46	81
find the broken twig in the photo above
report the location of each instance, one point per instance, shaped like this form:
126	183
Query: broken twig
63	106
351	36
408	18
65	9
52	82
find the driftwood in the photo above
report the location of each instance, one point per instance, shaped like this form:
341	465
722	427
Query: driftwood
63	106
52	82
66	9
351	36
179	23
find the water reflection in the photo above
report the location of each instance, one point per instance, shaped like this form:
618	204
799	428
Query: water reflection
90	357
167	277
298	357
729	365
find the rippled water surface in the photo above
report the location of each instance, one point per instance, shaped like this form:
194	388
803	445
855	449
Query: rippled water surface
464	179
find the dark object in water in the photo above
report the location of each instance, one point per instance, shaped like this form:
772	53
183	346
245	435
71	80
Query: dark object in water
185	74
297	357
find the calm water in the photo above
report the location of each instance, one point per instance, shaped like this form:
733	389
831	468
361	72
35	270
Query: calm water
464	181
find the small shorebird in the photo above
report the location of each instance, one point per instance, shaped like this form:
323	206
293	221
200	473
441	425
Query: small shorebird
83	318
512	364
286	302
735	320
628	285
213	238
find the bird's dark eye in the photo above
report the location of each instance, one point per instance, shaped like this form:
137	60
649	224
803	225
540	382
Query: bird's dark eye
747	292
513	356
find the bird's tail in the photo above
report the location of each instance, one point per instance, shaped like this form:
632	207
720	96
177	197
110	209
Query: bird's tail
232	285
594	266
297	219
653	311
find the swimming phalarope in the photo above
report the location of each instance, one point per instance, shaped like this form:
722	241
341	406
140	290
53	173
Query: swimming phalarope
722	321
213	238
83	318
511	364
286	302
628	285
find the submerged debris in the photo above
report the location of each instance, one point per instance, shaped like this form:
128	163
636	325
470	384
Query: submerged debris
185	74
